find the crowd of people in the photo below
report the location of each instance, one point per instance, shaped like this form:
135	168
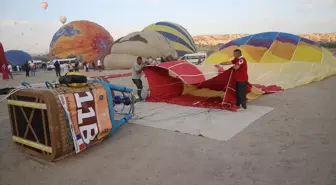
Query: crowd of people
7	70
30	67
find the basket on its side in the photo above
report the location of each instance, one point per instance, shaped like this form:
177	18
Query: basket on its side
39	123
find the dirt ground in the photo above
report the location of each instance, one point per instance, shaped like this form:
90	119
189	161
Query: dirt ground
333	50
295	144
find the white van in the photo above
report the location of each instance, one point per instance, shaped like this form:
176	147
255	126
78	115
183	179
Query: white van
64	62
195	57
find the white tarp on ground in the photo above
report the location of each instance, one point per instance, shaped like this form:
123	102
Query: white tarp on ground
210	123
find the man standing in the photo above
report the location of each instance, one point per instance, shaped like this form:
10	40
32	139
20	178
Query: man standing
240	75
86	67
27	68
57	68
94	66
10	70
32	68
76	66
70	67
99	64
136	76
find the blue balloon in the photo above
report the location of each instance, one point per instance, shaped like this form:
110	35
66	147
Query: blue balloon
17	57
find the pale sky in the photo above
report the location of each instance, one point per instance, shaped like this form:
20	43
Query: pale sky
25	25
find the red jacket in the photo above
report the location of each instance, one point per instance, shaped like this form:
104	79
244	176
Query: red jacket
240	74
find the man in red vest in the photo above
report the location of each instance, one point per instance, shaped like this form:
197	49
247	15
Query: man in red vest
240	75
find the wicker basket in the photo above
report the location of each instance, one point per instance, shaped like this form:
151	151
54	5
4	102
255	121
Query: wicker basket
38	121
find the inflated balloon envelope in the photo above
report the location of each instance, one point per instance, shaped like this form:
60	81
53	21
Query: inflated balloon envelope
277	58
59	121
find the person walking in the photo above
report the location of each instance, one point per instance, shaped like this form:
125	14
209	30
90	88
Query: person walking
241	77
57	68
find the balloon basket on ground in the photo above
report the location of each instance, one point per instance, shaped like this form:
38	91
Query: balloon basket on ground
55	121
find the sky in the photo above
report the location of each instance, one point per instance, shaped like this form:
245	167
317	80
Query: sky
25	25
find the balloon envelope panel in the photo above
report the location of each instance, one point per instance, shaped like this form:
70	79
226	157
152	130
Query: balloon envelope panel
83	39
277	58
178	36
3	59
145	44
119	61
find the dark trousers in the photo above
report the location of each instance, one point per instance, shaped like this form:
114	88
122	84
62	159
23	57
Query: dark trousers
58	72
10	74
27	72
241	94
139	86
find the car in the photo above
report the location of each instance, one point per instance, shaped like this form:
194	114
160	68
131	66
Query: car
50	67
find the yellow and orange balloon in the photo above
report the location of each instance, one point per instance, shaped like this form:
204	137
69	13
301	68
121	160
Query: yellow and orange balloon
82	39
44	5
63	19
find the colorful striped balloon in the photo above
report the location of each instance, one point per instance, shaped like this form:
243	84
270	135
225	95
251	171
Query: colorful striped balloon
83	39
177	35
277	58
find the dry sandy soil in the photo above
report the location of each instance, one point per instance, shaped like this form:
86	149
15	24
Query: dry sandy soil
333	50
295	144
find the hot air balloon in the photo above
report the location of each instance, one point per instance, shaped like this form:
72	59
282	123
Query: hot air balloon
145	44
177	35
80	39
44	5
63	19
281	59
17	57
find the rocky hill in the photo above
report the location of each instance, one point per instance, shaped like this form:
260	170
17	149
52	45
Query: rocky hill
213	40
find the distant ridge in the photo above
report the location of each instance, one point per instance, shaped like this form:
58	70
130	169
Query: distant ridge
212	40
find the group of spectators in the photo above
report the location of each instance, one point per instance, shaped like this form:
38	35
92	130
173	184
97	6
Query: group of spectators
99	65
30	68
7	70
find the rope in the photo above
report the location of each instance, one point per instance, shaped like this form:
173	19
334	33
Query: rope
25	85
